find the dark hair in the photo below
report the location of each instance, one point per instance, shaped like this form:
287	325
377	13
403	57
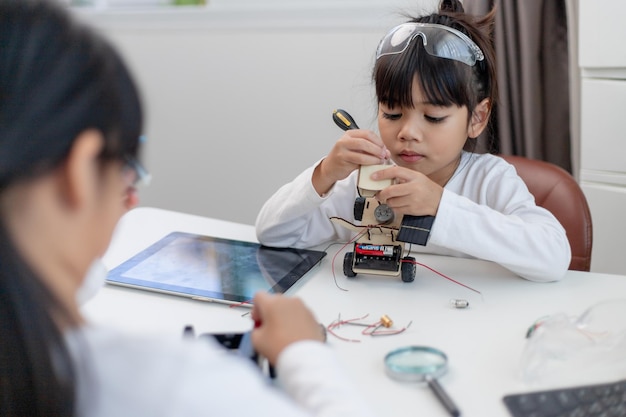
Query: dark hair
444	82
57	79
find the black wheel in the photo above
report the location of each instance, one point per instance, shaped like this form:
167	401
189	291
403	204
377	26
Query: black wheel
347	265
408	269
359	208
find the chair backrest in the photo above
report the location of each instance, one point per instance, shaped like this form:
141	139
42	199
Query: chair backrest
557	191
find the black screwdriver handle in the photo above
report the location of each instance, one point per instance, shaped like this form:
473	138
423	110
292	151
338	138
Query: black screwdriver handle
344	120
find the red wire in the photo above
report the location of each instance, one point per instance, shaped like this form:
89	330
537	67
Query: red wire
375	332
332	265
443	275
338	323
330	328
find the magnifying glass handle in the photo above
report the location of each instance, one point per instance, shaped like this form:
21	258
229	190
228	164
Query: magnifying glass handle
443	397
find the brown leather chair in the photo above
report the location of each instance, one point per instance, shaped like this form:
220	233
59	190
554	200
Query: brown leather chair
557	191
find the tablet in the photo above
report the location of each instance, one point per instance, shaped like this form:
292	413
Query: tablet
214	269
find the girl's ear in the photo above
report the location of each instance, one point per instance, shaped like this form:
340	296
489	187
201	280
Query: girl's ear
80	174
479	119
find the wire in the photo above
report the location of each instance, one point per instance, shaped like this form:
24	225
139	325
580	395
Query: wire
370	329
442	275
375	332
336	323
332	266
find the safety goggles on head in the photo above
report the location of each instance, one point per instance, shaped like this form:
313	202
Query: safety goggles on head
439	40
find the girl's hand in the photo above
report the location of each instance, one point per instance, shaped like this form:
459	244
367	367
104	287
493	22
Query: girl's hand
412	193
356	147
279	322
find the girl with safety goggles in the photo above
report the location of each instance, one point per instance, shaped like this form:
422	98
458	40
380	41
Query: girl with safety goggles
435	82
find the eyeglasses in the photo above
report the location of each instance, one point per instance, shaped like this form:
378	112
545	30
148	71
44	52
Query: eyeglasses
439	40
142	176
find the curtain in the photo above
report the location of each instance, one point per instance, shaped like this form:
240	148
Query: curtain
532	118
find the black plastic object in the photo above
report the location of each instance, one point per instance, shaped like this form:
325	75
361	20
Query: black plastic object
602	399
348	260
408	269
344	120
415	229
359	208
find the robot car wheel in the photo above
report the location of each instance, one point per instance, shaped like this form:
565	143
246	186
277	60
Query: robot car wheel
348	260
407	269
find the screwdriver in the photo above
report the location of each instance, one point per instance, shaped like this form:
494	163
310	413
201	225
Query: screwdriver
344	120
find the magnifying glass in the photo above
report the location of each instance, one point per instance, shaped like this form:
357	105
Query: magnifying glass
421	363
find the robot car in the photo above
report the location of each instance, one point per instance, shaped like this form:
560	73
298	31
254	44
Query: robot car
379	246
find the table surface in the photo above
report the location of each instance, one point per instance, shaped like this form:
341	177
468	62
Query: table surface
484	343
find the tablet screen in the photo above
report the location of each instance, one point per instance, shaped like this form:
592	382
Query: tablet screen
214	269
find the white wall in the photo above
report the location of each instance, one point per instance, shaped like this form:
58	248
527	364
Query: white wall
602	70
239	97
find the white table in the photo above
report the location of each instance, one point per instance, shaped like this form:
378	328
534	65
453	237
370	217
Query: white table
484	342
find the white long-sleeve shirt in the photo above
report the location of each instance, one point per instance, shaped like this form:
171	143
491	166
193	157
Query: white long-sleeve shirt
486	212
129	376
